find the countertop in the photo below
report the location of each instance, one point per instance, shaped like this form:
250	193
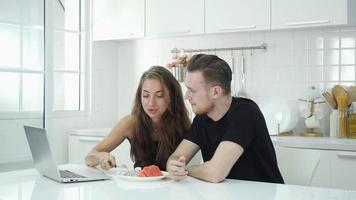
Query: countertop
323	143
28	184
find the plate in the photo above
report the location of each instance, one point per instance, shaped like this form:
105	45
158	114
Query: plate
280	115
142	179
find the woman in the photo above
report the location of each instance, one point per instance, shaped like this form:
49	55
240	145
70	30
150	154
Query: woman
155	127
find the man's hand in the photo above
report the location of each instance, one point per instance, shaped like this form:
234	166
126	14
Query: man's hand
177	168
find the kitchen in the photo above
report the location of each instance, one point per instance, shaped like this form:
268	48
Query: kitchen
310	44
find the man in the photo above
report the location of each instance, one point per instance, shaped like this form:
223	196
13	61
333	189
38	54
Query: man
231	132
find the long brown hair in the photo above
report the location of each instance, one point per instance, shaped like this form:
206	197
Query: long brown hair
174	122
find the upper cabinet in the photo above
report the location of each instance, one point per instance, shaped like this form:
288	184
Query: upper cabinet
236	15
126	19
307	13
174	17
118	19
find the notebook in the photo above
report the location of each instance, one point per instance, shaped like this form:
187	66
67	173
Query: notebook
44	162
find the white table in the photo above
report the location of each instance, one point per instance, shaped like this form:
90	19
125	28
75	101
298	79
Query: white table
28	184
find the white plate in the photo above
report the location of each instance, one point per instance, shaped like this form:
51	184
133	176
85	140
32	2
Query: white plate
279	113
139	178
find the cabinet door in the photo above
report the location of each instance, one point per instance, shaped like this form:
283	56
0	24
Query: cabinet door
304	13
122	154
300	166
118	19
79	147
236	15
174	17
343	170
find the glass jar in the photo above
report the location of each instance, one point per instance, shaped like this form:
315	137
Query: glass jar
351	121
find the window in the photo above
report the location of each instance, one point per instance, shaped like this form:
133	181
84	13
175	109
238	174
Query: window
68	56
21	57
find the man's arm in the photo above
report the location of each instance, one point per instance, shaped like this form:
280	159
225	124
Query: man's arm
176	164
220	165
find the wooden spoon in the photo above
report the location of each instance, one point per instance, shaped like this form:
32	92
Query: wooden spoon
330	99
339	91
342	102
352	92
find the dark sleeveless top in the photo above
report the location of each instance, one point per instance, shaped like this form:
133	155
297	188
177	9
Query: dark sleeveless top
152	159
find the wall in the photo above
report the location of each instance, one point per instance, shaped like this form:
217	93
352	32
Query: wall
294	61
104	85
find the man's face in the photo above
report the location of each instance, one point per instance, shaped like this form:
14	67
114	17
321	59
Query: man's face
198	93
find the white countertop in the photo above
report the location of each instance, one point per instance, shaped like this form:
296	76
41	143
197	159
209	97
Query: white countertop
28	184
324	143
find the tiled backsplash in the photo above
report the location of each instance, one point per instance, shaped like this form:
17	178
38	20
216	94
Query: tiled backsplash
294	60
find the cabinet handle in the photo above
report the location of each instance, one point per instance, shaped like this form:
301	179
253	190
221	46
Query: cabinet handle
237	28
174	32
90	139
308	22
347	155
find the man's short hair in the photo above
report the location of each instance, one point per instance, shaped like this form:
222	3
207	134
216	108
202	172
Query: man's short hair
215	70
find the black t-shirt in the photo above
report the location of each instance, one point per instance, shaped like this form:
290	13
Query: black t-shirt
245	125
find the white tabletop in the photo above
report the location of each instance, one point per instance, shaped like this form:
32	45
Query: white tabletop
28	184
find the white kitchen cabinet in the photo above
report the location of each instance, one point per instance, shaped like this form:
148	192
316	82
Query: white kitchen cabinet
80	145
80	142
236	15
308	13
322	168
343	165
303	166
174	17
118	19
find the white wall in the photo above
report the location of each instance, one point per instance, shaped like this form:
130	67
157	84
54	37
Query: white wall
104	85
294	61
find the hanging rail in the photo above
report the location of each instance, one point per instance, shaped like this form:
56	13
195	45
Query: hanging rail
262	46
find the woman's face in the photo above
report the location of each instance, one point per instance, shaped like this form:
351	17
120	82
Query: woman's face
155	99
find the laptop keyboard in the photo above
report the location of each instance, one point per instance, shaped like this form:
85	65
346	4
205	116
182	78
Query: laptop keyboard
69	174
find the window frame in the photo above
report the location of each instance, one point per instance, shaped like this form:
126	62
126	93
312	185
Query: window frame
84	67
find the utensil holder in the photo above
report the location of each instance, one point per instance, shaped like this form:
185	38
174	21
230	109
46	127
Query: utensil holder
334	125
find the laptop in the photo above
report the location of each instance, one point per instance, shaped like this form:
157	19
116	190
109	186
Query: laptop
44	162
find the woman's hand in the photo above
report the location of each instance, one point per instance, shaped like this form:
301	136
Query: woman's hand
104	159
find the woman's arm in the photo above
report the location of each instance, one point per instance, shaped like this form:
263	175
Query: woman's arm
100	153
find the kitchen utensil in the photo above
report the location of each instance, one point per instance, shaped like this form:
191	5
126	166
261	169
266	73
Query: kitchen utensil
330	99
242	92
338	91
342	102
352	92
234	73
